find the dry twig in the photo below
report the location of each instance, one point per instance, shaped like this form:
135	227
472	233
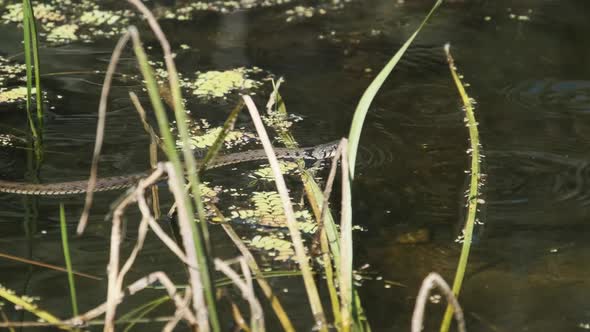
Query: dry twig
430	282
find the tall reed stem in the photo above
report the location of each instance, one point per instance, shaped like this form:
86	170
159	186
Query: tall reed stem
67	258
473	194
31	45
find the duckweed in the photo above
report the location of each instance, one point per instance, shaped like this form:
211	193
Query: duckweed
208	138
282	250
269	212
44	13
265	173
98	17
217	84
14	94
6	140
303	12
69	21
63	33
186	11
10	71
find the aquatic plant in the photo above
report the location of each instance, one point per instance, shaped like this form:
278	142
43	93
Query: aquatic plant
31	44
65	22
473	193
352	148
219	83
16	94
27	303
67	257
337	245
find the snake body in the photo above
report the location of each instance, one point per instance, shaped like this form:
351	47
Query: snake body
125	181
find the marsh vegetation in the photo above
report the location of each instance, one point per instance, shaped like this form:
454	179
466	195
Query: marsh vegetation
356	235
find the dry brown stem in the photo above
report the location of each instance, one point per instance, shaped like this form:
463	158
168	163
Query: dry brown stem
432	281
102	113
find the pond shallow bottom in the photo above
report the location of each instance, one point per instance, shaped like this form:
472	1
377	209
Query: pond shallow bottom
530	77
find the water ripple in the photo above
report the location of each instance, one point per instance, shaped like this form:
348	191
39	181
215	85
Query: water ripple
543	179
554	96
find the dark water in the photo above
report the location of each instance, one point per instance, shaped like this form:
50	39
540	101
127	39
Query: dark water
531	79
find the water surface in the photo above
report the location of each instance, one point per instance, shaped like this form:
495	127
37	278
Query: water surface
530	77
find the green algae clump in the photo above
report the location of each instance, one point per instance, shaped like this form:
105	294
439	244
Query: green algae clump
14	95
63	33
219	83
98	17
208	138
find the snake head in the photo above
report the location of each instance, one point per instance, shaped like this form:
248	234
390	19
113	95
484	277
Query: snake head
324	151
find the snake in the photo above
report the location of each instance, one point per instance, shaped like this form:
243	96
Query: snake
318	152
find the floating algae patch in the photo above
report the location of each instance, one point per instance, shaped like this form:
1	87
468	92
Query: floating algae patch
303	12
9	140
300	12
10	71
44	13
61	22
215	84
98	17
276	247
209	193
279	121
185	11
202	140
265	173
268	212
18	94
218	84
63	33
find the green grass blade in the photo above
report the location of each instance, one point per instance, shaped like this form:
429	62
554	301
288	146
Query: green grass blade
473	196
28	65
363	106
36	64
31	47
67	257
